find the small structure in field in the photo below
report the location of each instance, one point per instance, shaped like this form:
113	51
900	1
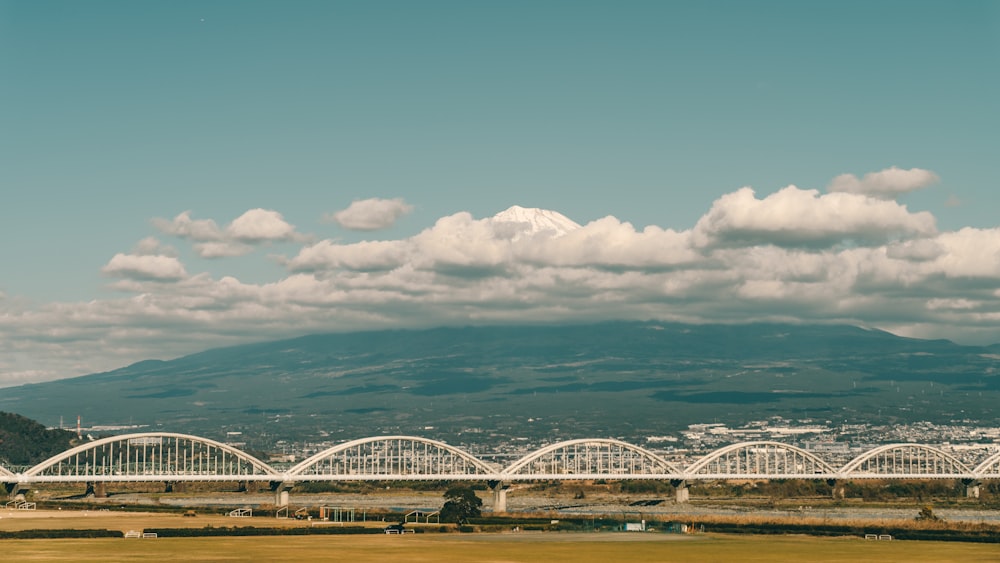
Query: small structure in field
635	526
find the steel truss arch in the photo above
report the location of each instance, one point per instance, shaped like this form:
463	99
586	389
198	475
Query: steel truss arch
760	459
151	456
592	458
5	473
391	457
990	467
911	460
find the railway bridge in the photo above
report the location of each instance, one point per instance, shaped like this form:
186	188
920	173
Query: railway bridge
172	458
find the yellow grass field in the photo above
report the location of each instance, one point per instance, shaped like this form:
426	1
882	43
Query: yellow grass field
482	547
13	520
498	548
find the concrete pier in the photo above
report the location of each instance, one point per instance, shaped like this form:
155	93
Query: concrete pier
97	489
499	496
836	489
971	488
683	494
15	491
282	490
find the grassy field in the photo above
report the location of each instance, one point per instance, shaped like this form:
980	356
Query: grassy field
580	547
117	520
498	548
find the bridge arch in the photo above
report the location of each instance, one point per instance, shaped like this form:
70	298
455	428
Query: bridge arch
760	459
151	456
990	467
912	460
4	472
593	458
392	457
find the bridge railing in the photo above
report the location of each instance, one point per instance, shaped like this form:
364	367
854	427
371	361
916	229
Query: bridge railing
989	468
760	459
392	456
912	460
590	459
149	454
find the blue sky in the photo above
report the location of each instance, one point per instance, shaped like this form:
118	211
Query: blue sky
114	115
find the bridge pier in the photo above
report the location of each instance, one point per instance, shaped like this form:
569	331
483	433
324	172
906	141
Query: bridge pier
971	488
682	494
499	495
15	491
836	489
281	492
175	487
97	489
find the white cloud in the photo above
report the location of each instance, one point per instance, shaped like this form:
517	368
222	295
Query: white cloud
460	242
222	249
954	304
918	250
609	242
887	184
796	217
968	253
362	256
145	267
183	226
258	225
371	214
151	246
254	227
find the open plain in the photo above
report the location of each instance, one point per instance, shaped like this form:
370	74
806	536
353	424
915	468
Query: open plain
497	548
578	547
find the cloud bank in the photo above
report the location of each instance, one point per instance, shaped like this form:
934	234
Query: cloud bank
794	255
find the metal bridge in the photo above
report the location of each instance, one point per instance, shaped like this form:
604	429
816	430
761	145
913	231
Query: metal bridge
174	458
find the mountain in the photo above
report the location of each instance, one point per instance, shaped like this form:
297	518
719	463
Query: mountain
519	221
622	379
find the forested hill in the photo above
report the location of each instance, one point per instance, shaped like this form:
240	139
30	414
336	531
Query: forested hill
26	442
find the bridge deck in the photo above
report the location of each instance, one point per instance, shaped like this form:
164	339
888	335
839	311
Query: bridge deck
170	457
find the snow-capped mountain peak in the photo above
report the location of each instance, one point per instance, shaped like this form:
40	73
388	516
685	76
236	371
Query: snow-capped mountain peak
517	221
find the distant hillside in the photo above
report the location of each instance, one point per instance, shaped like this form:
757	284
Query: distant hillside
26	442
622	379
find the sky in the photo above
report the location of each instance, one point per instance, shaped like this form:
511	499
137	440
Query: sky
182	175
